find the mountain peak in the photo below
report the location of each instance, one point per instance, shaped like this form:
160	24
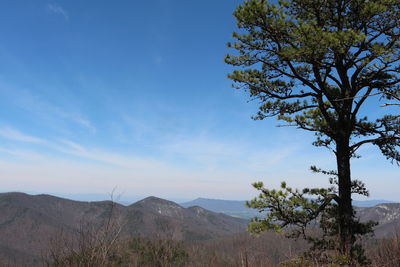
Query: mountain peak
159	205
155	201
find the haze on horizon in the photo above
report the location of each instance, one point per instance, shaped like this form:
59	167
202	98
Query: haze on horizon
133	95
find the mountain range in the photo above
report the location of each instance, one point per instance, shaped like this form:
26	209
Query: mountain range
28	223
237	208
387	215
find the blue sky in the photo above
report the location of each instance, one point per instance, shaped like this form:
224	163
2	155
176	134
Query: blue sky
133	95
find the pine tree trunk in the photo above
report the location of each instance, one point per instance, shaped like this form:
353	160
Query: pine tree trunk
345	206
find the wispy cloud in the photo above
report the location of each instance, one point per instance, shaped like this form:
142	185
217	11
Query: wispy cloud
79	151
15	135
216	153
77	118
24	155
58	10
51	112
117	159
226	168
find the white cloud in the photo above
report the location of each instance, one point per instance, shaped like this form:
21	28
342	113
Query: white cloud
78	119
57	9
187	166
25	155
49	112
71	145
119	160
15	135
104	169
213	153
137	176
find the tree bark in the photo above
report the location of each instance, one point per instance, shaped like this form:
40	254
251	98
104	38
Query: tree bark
345	205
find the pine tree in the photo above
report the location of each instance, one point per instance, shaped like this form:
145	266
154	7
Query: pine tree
314	64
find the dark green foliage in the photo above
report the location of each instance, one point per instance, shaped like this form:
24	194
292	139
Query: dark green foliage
313	64
305	210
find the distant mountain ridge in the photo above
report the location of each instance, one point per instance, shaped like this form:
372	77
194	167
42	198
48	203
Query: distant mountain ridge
370	203
28	222
238	208
386	214
235	208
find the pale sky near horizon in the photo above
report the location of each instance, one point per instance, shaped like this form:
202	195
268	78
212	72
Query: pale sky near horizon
133	95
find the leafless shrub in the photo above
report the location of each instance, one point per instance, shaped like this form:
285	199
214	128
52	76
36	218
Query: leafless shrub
90	245
266	250
386	252
158	252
